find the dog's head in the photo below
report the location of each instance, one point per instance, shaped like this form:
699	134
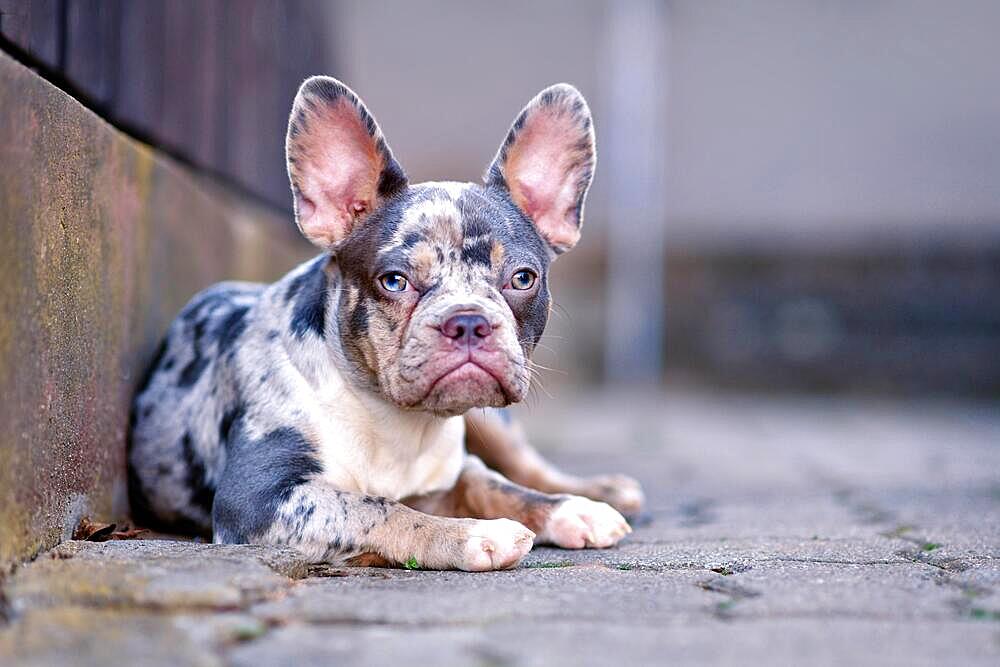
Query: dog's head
443	289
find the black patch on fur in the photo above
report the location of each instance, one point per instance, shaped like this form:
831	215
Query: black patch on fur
309	311
260	476
151	369
232	328
300	516
200	312
473	225
143	515
296	285
139	507
202	494
379	229
192	371
304	512
378	503
359	320
194	368
208	302
229	417
327	90
391	180
533	315
478	252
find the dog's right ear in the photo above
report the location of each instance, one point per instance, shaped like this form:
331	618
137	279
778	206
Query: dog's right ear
547	161
339	164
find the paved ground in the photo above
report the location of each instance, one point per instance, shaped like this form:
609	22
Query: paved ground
783	531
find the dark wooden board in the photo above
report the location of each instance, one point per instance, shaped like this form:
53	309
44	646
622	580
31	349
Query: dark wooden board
210	82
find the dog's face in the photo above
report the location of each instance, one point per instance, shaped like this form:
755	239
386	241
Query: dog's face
444	297
443	286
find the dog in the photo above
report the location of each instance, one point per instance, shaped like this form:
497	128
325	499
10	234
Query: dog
337	410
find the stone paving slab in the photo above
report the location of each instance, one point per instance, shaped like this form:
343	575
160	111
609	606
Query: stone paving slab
770	540
835	642
86	636
591	592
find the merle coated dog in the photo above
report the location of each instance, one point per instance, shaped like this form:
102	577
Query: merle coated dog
329	410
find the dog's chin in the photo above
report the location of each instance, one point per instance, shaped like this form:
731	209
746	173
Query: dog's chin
466	387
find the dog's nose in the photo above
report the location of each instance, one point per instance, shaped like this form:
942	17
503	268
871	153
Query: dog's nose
466	327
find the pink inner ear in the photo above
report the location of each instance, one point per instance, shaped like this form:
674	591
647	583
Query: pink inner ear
338	165
543	171
304	207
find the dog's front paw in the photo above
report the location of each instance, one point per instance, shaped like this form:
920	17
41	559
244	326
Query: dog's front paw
579	522
496	544
620	491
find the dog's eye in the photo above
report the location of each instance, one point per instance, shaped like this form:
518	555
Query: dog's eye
393	282
522	280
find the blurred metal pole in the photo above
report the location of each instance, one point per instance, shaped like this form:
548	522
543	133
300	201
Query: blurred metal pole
633	159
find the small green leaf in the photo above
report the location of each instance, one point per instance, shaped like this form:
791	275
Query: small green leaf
981	614
930	546
549	564
247	631
411	563
725	606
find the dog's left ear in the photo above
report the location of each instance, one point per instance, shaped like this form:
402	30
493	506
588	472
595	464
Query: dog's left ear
547	163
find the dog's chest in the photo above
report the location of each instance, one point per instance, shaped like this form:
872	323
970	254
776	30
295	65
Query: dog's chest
389	452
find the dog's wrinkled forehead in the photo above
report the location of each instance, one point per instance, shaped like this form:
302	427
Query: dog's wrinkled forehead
447	233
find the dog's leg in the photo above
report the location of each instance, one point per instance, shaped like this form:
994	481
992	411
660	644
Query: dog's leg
333	526
270	493
571	522
493	436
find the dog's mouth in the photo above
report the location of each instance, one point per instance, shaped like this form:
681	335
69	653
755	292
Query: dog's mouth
465	384
467	372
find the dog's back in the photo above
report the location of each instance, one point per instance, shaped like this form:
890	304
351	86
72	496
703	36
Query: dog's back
182	413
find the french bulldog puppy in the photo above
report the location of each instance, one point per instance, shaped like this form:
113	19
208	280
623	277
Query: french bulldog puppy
338	410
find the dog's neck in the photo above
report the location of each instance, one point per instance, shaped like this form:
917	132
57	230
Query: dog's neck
371	446
367	443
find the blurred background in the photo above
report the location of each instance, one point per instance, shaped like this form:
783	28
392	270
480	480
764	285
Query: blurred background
783	319
790	195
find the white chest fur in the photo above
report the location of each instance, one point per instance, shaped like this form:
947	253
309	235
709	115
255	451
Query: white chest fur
368	446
